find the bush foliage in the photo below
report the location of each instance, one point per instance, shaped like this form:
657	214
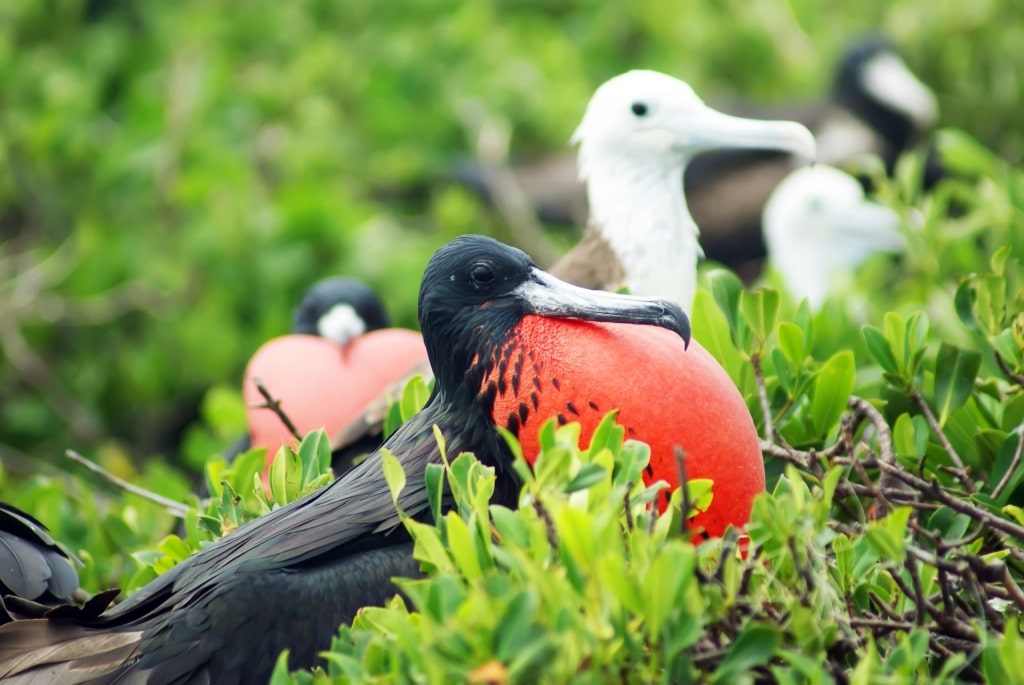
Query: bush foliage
177	174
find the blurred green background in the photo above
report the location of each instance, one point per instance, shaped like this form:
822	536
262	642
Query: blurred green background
173	175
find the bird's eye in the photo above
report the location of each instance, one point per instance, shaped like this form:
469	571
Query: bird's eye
639	109
482	273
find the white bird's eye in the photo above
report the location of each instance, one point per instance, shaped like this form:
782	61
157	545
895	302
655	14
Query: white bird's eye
639	109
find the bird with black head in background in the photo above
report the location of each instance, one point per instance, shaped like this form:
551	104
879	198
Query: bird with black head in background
341	353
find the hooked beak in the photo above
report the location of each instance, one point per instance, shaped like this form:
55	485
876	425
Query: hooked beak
545	295
709	129
888	79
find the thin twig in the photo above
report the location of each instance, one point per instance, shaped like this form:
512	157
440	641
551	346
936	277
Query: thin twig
687	504
962	475
934	489
274	405
174	508
549	525
629	510
762	394
1005	368
1013	589
1014	463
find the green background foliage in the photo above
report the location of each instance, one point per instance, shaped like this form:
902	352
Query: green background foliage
174	175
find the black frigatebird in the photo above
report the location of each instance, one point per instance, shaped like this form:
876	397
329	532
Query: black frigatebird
289	578
32	564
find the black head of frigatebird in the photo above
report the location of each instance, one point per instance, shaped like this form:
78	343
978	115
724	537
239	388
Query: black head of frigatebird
340	309
289	578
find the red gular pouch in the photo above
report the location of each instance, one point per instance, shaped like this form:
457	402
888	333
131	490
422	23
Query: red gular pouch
668	395
322	384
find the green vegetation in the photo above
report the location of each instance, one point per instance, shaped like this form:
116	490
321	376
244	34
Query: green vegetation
176	174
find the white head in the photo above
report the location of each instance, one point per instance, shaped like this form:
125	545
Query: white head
658	120
639	131
819	228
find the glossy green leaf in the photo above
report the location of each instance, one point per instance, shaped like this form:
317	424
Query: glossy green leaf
832	388
955	371
759	309
791	342
753	647
880	349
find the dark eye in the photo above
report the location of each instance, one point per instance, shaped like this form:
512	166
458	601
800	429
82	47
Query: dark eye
639	109
482	273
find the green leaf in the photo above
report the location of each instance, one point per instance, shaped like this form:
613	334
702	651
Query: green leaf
434	479
753	647
315	455
393	419
955	371
608	434
832	388
759	310
414	397
791	342
589	475
726	288
461	547
713	332
962	153
394	474
280	675
964	301
880	349
910	436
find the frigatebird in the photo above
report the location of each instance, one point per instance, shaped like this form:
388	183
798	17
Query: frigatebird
289	578
340	309
637	135
874	104
341	353
32	564
819	227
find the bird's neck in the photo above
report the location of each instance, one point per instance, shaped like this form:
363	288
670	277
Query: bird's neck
466	401
641	212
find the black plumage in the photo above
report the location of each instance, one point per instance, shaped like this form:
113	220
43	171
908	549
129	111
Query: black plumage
329	293
32	564
288	579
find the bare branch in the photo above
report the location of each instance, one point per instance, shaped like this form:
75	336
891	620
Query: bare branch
1014	463
173	508
1005	368
274	405
762	394
961	473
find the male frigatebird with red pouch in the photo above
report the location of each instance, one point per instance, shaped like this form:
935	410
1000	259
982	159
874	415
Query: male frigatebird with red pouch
289	578
342	353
